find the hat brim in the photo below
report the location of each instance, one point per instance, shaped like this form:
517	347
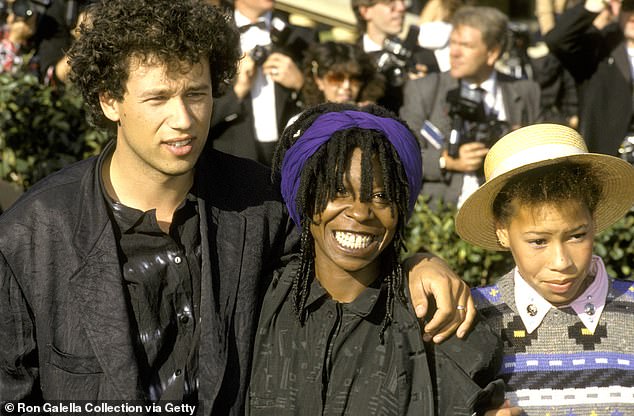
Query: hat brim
475	222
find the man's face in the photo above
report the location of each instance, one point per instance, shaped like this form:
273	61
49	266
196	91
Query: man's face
469	56
255	7
163	119
349	234
552	248
384	18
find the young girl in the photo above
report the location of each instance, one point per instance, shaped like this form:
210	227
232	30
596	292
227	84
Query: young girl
336	335
566	325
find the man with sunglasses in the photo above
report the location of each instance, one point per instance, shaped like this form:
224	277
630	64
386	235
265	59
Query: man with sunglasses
380	22
595	43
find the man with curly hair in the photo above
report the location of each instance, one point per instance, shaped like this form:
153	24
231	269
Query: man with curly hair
137	275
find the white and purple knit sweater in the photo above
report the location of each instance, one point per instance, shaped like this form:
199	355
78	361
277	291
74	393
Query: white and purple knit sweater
562	368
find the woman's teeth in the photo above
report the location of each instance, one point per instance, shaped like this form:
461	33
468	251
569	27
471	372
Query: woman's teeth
353	240
181	144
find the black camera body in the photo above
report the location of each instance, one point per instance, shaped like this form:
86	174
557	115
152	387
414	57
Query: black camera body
395	60
469	120
281	41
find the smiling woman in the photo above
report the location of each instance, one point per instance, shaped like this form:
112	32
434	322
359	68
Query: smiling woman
336	334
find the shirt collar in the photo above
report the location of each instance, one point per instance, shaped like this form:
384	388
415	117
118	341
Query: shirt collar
126	217
370	46
362	306
488	84
533	308
242	20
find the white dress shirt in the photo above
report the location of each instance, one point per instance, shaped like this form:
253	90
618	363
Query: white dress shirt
263	88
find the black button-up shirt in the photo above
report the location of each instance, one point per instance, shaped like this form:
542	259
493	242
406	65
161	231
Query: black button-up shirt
162	275
336	364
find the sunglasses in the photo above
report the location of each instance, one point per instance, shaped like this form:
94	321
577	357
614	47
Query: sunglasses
340	77
391	3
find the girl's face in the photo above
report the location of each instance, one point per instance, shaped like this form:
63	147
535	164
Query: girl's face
349	234
552	247
339	87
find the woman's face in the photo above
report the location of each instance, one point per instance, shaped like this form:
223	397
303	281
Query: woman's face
552	247
339	86
349	234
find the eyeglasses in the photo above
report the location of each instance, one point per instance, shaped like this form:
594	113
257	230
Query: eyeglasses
392	3
340	77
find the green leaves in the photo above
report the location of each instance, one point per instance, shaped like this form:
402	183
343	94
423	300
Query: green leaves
433	230
42	129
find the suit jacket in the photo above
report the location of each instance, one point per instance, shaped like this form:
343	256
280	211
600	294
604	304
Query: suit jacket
599	63
425	99
65	321
232	128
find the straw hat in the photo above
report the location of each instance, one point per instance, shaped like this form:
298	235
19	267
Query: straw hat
531	147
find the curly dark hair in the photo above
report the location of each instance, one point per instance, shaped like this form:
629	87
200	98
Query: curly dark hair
325	57
174	32
323	174
556	183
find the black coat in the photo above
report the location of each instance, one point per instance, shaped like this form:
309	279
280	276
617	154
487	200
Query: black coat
64	319
599	63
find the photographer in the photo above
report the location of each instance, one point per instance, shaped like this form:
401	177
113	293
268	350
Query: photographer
16	45
248	120
379	23
55	33
593	41
469	106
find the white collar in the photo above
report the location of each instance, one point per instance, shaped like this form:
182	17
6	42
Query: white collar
370	46
588	306
242	20
489	84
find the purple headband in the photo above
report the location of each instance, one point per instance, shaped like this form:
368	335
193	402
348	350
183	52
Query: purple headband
320	132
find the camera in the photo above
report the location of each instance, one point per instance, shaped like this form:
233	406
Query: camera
626	150
516	57
469	119
395	60
281	41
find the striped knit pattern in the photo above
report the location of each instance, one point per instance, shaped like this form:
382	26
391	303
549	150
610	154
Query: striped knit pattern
562	368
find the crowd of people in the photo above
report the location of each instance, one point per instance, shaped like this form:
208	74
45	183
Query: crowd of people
237	245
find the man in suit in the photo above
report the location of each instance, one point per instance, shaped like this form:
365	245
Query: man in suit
476	42
137	275
380	22
592	40
249	119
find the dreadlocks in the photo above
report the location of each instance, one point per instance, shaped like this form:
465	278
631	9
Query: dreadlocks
321	177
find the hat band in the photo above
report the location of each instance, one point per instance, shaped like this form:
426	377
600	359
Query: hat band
533	155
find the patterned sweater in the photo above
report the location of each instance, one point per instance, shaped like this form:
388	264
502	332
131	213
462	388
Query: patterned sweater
562	368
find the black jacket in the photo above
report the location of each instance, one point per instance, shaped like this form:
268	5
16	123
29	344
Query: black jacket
64	319
599	63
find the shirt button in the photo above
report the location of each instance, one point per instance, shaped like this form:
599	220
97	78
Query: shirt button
184	319
178	372
177	260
